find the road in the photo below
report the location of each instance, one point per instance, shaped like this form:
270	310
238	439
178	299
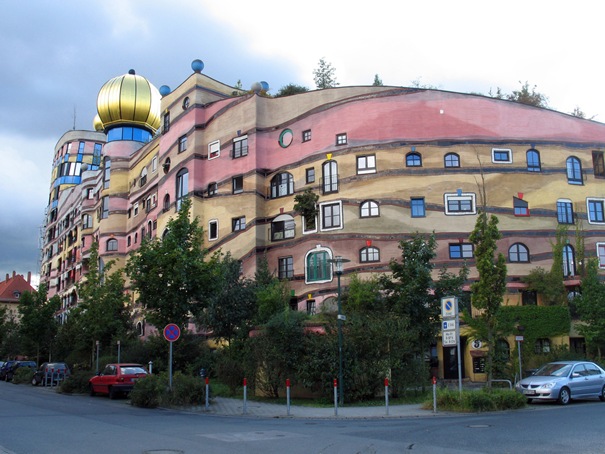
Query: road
36	420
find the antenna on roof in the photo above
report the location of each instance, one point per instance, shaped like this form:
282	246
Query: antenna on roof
74	127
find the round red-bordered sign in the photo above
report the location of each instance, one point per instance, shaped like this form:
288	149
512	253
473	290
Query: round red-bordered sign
172	332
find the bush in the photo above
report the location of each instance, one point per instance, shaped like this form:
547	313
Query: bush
77	382
147	392
22	375
477	401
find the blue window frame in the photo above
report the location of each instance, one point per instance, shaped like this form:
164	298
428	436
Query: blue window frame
596	210
533	161
417	207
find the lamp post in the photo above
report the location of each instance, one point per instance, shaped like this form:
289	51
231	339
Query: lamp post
338	261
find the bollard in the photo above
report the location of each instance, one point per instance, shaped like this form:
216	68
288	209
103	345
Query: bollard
288	396
434	394
207	393
245	396
335	397
52	377
386	394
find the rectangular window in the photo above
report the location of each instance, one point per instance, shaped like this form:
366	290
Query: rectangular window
565	212
601	254
366	164
166	122
341	139
212	189
282	230
182	143
310	175
460	204
596	211
81	147
240	147
306	135
461	251
502	155
598	164
154	164
520	206
238	224
529	298
90	193
331	215
285	268
105	207
214	149
237	184
417	207
213	230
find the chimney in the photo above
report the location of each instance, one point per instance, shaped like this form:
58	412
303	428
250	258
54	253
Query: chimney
29	277
6	277
14	274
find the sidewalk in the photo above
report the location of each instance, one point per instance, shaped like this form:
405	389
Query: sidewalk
235	407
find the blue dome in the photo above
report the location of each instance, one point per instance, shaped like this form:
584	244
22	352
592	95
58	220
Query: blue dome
197	66
264	85
165	90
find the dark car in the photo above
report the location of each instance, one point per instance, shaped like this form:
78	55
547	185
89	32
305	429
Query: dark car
8	372
5	368
50	374
116	379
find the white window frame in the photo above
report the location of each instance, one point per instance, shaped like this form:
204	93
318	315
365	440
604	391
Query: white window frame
463	196
214	149
321	217
601	254
594	199
319	248
304	224
497	150
212	221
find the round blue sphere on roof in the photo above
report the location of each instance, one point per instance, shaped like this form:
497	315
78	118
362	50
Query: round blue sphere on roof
197	65
164	90
264	85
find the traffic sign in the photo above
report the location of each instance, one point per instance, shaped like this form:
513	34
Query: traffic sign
449	338
449	306
172	332
448	325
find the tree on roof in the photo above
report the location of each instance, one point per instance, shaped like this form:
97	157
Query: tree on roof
324	75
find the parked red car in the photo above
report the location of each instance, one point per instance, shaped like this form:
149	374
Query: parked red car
116	379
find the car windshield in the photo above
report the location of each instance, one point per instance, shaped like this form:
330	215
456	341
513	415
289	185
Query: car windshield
554	370
131	370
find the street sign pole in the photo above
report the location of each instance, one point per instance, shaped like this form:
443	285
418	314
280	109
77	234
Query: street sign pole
450	330
171	333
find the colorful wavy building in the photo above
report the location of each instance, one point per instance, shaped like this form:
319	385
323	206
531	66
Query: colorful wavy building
385	162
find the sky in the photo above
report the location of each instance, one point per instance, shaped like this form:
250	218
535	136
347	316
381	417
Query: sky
55	56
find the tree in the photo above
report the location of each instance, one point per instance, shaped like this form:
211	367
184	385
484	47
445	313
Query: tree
324	75
272	295
488	291
37	324
377	81
231	306
577	112
171	276
291	89
528	96
591	308
103	314
305	204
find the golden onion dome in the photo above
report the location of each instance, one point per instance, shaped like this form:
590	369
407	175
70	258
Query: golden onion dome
129	99
97	124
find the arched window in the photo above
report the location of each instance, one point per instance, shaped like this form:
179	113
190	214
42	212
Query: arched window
369	254
112	245
143	178
282	185
451	160
165	233
518	252
282	227
574	170
533	161
369	209
329	177
149	229
317	266
166	202
413	159
182	187
569	261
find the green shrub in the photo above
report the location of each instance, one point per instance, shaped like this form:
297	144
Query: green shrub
147	392
186	390
22	375
77	382
507	399
477	401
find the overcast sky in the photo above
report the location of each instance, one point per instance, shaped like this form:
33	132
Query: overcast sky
56	55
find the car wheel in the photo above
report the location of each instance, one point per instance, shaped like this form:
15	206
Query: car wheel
91	391
564	396
529	401
112	393
602	395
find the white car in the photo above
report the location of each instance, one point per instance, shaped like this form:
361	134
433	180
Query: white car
563	381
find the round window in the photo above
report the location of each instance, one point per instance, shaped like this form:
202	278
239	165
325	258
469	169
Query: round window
285	138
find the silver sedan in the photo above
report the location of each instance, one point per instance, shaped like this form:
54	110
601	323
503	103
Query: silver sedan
563	381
